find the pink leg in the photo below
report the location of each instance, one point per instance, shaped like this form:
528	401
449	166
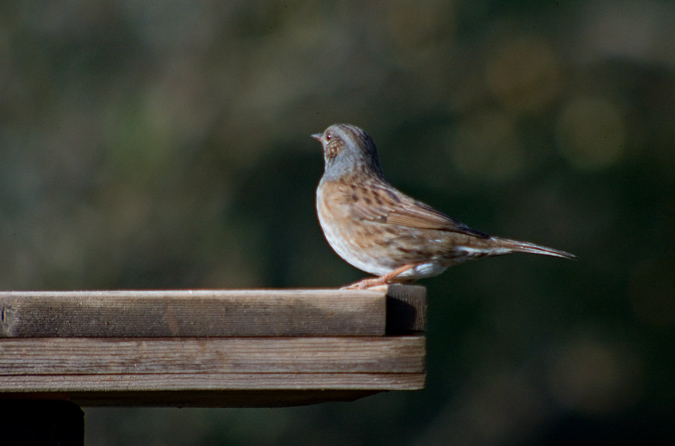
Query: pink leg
377	281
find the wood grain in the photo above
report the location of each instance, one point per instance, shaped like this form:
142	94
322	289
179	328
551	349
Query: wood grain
210	381
209	312
211	348
77	356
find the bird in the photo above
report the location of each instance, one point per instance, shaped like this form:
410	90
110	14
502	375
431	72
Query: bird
380	230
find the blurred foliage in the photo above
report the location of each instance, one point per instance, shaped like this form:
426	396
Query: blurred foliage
165	144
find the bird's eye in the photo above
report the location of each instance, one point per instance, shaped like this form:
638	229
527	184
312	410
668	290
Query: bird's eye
328	136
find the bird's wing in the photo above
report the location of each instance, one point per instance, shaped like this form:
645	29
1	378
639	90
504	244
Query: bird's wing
395	208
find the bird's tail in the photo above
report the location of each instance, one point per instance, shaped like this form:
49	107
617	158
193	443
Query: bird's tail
517	246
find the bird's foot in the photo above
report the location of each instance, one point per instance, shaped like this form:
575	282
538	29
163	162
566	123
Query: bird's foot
365	284
377	281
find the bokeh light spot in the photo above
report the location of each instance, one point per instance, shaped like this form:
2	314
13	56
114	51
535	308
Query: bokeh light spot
523	74
591	133
593	377
486	145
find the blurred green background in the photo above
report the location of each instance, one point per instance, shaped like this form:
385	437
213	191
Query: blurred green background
165	144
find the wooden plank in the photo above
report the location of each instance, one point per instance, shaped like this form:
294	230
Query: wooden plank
211	348
395	308
192	313
136	356
167	382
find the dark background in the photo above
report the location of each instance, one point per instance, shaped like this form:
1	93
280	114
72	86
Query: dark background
165	144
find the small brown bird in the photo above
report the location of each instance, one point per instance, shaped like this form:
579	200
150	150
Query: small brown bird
382	231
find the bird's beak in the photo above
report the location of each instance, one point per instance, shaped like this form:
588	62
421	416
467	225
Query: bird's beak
318	136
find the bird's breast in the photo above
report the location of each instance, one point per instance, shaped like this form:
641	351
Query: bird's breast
357	242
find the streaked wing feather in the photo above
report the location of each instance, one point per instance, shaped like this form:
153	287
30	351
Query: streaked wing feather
422	216
402	210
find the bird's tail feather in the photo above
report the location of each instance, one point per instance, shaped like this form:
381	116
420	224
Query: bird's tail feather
518	246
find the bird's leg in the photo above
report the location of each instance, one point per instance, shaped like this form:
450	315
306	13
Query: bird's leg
377	281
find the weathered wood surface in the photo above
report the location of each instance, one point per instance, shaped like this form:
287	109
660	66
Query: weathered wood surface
64	384
209	372
212	312
211	348
137	356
